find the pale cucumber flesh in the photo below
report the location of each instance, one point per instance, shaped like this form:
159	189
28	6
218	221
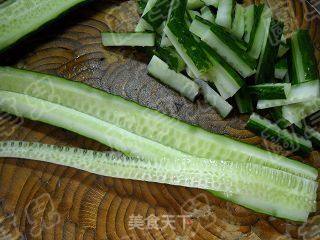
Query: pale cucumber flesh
145	122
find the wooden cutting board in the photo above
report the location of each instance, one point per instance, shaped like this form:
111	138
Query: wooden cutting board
46	201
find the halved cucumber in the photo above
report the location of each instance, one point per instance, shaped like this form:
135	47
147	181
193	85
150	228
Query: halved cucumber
141	121
275	192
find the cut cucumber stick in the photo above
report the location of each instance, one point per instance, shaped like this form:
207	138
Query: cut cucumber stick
271	90
221	41
128	39
271	131
19	18
141	121
298	93
160	70
224	14
238	25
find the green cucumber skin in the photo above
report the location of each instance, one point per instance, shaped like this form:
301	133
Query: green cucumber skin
267	62
140	120
171	57
194	4
277	117
270	91
258	10
158	13
276	136
244	101
309	63
177	25
142	5
223	64
222	34
17	24
240	43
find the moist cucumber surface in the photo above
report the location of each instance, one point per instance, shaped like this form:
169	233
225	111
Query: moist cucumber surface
141	121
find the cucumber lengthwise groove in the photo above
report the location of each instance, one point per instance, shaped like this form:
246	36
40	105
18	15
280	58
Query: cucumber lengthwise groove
141	132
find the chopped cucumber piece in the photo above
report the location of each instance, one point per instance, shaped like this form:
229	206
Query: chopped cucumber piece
296	112
271	90
309	133
157	14
214	99
128	39
275	192
226	80
141	121
142	25
224	14
21	18
214	3
260	27
195	4
207	14
266	129
249	14
281	69
298	93
171	57
160	70
303	67
266	67
185	43
277	117
192	15
224	45
244	101
238	24
283	49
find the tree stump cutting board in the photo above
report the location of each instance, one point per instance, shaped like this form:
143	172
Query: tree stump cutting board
46	201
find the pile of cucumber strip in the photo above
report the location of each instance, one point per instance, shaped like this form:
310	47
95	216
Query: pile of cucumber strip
232	53
193	51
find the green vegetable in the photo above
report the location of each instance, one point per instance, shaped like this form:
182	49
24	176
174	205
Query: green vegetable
171	57
298	93
244	101
282	192
142	121
266	67
272	132
184	42
194	4
142	25
271	90
21	17
128	39
249	21
157	14
303	66
224	14
238	24
160	70
214	99
277	117
281	69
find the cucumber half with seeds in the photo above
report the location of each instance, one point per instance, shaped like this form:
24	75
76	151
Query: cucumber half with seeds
20	18
141	121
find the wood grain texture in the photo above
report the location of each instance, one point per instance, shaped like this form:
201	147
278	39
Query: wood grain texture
46	201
